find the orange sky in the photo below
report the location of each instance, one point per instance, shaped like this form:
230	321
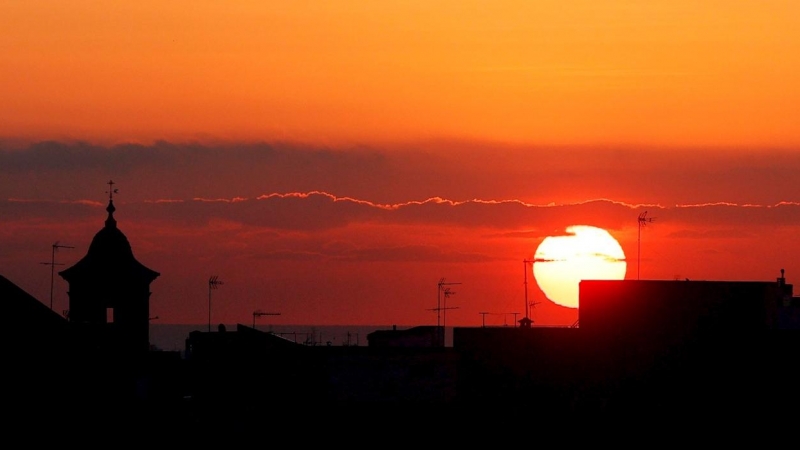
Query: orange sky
715	73
333	160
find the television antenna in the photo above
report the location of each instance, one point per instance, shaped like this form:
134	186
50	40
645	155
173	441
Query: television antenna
505	317
525	263
533	305
483	319
213	283
53	265
643	220
446	294
441	288
259	313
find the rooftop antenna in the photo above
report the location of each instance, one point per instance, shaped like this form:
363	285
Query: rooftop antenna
443	307
505	317
213	283
53	265
440	288
525	263
447	293
643	221
258	313
483	319
533	305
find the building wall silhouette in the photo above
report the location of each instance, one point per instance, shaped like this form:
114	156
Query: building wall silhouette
645	345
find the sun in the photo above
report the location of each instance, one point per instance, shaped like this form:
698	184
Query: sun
583	253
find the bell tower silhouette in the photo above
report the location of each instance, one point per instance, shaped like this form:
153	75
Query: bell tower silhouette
109	291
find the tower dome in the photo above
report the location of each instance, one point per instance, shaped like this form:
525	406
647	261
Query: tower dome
110	256
109	291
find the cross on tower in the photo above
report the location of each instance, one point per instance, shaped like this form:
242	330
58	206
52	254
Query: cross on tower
111	191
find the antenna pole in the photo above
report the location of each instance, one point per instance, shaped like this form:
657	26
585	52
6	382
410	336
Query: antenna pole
258	312
213	283
53	265
439	302
439	289
525	263
642	220
447	293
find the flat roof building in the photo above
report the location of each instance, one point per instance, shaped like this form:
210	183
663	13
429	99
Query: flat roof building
645	344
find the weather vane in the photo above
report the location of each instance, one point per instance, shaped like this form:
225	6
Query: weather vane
111	191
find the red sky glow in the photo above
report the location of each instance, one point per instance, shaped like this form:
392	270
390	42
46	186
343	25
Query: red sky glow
333	160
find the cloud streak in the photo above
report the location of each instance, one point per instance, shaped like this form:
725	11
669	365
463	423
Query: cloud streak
316	210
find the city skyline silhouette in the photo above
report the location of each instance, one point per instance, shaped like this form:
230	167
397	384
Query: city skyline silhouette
275	171
642	344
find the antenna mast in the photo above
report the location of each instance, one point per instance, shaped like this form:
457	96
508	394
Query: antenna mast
447	293
213	283
441	288
525	263
533	306
643	220
505	317
53	265
259	313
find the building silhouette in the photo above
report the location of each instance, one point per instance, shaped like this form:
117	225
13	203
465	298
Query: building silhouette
97	355
643	345
109	292
416	337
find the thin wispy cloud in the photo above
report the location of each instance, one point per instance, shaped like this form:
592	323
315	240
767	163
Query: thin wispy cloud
315	210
